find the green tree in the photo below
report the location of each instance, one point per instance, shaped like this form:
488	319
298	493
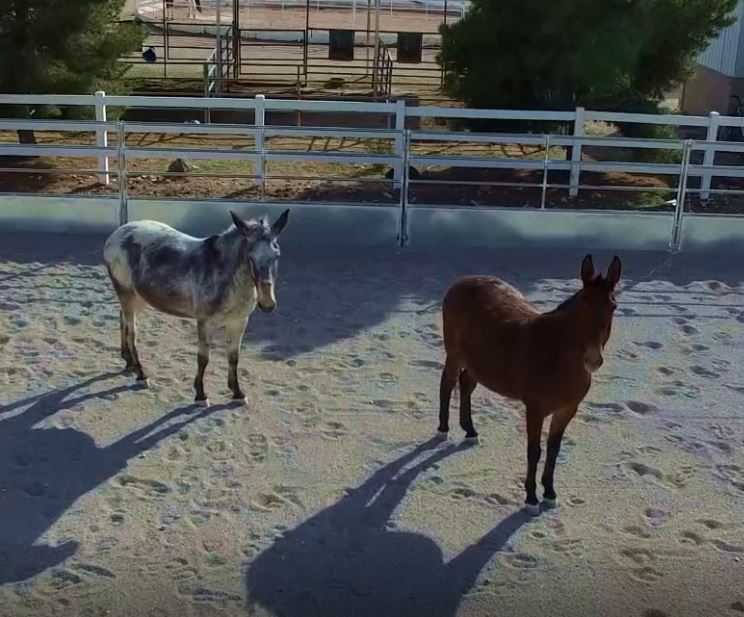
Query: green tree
63	46
557	54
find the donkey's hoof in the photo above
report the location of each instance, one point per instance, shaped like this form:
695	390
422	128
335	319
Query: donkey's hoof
143	383
442	436
533	509
549	504
240	401
472	440
202	402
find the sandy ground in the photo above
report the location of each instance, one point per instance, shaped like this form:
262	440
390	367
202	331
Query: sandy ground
325	497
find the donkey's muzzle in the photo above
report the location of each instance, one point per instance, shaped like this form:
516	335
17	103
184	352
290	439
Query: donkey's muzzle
266	300
593	361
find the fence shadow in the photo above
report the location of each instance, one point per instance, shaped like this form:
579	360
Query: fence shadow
43	471
349	560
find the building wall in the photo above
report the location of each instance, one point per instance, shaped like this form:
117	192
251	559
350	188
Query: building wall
725	54
706	91
720	71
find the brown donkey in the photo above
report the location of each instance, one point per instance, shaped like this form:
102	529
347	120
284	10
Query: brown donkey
495	337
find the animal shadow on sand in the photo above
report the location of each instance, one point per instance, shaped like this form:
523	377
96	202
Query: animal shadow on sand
43	471
347	560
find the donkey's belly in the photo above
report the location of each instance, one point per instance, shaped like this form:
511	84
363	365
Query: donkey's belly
505	387
496	374
166	302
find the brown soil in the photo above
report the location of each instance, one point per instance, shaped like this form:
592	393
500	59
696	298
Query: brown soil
311	181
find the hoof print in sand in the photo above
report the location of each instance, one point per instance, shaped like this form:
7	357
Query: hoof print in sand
641	408
148	488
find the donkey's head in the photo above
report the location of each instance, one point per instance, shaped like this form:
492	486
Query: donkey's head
263	254
596	305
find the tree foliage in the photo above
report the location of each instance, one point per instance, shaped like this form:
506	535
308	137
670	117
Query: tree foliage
63	46
557	54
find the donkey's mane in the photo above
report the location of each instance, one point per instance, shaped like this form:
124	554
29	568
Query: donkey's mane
236	240
598	280
567	303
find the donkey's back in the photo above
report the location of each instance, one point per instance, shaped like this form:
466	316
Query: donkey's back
484	325
481	297
136	247
166	268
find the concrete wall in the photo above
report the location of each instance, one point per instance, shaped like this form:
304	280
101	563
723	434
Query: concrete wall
504	228
353	226
59	214
711	232
318	225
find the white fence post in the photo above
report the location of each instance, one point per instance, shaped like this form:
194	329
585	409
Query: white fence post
546	169
260	123
121	160
578	131
102	137
710	154
404	188
400	126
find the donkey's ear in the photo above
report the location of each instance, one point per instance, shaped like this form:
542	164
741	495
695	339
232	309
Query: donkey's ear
278	227
587	270
239	222
248	228
614	271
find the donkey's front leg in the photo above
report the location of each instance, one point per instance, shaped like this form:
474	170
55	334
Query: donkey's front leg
205	329
557	426
234	329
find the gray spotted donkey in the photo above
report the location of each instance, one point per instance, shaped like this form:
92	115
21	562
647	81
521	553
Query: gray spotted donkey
217	280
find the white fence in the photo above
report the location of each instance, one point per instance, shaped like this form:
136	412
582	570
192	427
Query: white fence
404	147
153	9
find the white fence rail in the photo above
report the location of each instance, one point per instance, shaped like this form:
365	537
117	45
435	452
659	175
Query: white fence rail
403	147
400	111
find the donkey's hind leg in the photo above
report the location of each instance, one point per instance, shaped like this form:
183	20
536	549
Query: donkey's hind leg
467	385
126	355
129	307
126	302
446	385
535	418
205	330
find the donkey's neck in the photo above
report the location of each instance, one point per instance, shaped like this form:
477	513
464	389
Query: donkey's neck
233	243
233	248
565	325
